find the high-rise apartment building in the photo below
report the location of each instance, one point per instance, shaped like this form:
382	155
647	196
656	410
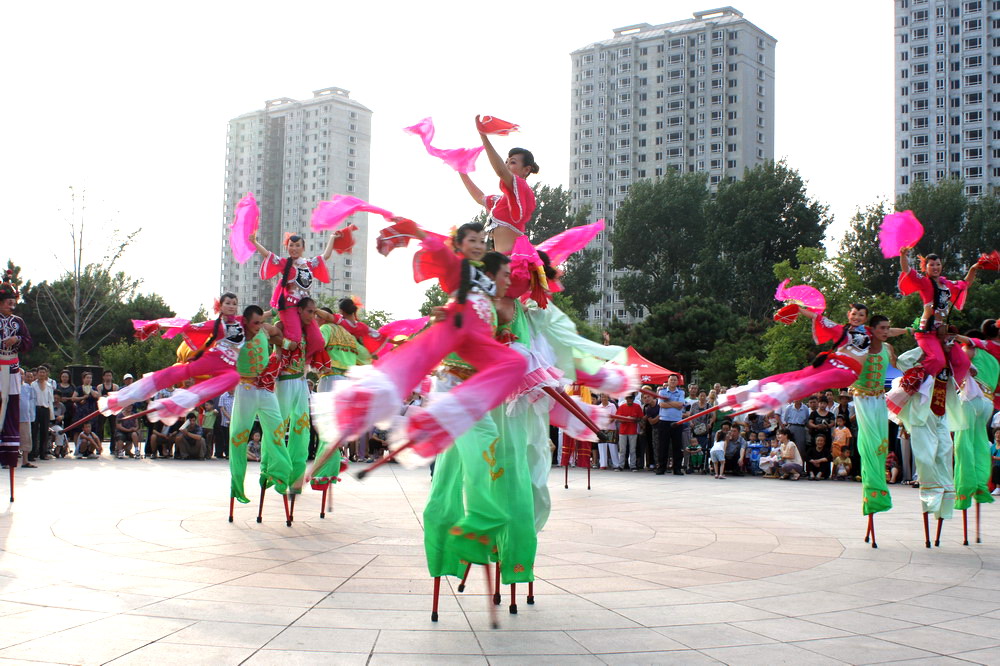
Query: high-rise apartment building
691	95
292	154
948	93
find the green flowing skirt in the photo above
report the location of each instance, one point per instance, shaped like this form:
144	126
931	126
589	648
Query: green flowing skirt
873	447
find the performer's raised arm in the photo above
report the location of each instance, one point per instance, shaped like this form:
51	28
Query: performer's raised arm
474	191
904	259
498	163
263	251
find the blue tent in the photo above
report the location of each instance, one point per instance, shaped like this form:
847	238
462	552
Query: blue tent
891	373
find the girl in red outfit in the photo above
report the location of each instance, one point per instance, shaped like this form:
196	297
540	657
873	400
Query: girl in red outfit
510	211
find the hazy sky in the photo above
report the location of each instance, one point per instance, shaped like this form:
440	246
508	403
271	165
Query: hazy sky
130	102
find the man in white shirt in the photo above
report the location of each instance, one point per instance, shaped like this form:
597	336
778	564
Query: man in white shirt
44	401
612	435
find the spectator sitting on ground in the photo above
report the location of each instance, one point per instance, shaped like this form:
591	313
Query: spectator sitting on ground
736	449
818	461
377	444
253	448
791	460
842	465
189	442
770	460
892	468
160	440
60	442
88	444
126	436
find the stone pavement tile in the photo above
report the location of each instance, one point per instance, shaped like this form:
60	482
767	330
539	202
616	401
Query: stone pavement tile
384	573
887	589
650	658
965	592
768	654
809	602
133	626
423	585
563	659
528	643
625	640
239	563
579	572
690	561
279	554
856	622
190	573
324	640
987	579
978	625
259	595
957	604
863	650
690	578
289	581
929	573
337	557
365	619
699	636
938	640
43	621
59	649
225	634
426	642
747	589
221	611
12	608
641	598
424	659
748	570
389	601
629	567
708	613
915	614
305	658
787	629
536	619
558	603
934	661
588	585
991	656
142	585
80	598
174	654
587	557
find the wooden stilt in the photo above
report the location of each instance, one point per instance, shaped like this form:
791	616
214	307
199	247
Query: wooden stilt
937	539
871	529
513	599
927	532
260	509
12	482
465	576
322	505
232	501
288	517
489	598
566	476
588	477
965	527
978	540
437	594
291	511
496	588
868	530
531	593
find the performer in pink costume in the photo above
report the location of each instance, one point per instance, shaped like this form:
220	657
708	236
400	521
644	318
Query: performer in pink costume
511	210
216	346
376	392
938	295
296	278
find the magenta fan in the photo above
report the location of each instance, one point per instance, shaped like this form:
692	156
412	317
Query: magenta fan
808	297
899	230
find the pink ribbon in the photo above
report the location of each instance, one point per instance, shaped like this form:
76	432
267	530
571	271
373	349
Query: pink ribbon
328	214
462	160
244	225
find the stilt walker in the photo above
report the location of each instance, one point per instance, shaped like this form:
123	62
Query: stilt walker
873	425
14	339
254	400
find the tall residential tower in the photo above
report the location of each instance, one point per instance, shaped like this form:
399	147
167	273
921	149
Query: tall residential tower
948	93
691	95
293	154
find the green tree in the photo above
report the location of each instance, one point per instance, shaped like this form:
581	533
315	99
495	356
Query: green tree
941	208
863	269
375	318
657	235
981	231
433	297
756	222
138	356
552	213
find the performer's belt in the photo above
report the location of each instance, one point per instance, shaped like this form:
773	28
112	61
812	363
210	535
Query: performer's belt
334	370
297	375
248	380
868	393
8	360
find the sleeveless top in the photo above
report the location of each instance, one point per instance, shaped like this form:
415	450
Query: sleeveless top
871	381
253	356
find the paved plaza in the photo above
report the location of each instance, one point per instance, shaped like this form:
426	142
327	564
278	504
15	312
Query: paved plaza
131	561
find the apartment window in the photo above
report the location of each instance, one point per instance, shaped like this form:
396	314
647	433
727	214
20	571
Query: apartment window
919	51
624	52
972	24
919	69
973	116
974	98
971	43
974	172
974	6
974	135
973	153
918	33
973	79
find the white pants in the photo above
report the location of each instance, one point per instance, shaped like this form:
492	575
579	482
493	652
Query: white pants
602	451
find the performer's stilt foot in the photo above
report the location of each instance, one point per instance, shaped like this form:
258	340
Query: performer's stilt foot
489	590
288	516
496	588
291	511
927	531
937	539
322	506
461	586
978	540
566	477
232	500
437	594
513	599
965	527
871	529
260	509
12	483
588	477
531	593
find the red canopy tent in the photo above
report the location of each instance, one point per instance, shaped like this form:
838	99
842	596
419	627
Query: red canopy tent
649	372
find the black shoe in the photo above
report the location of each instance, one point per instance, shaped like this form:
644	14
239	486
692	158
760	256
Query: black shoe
659	474
678	473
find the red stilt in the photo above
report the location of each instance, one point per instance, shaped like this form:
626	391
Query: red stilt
260	509
437	594
868	530
381	461
694	416
965	527
291	511
566	477
531	593
978	540
489	601
232	500
937	539
927	532
870	533
12	483
135	415
322	506
496	588
77	424
513	599
288	516
461	586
